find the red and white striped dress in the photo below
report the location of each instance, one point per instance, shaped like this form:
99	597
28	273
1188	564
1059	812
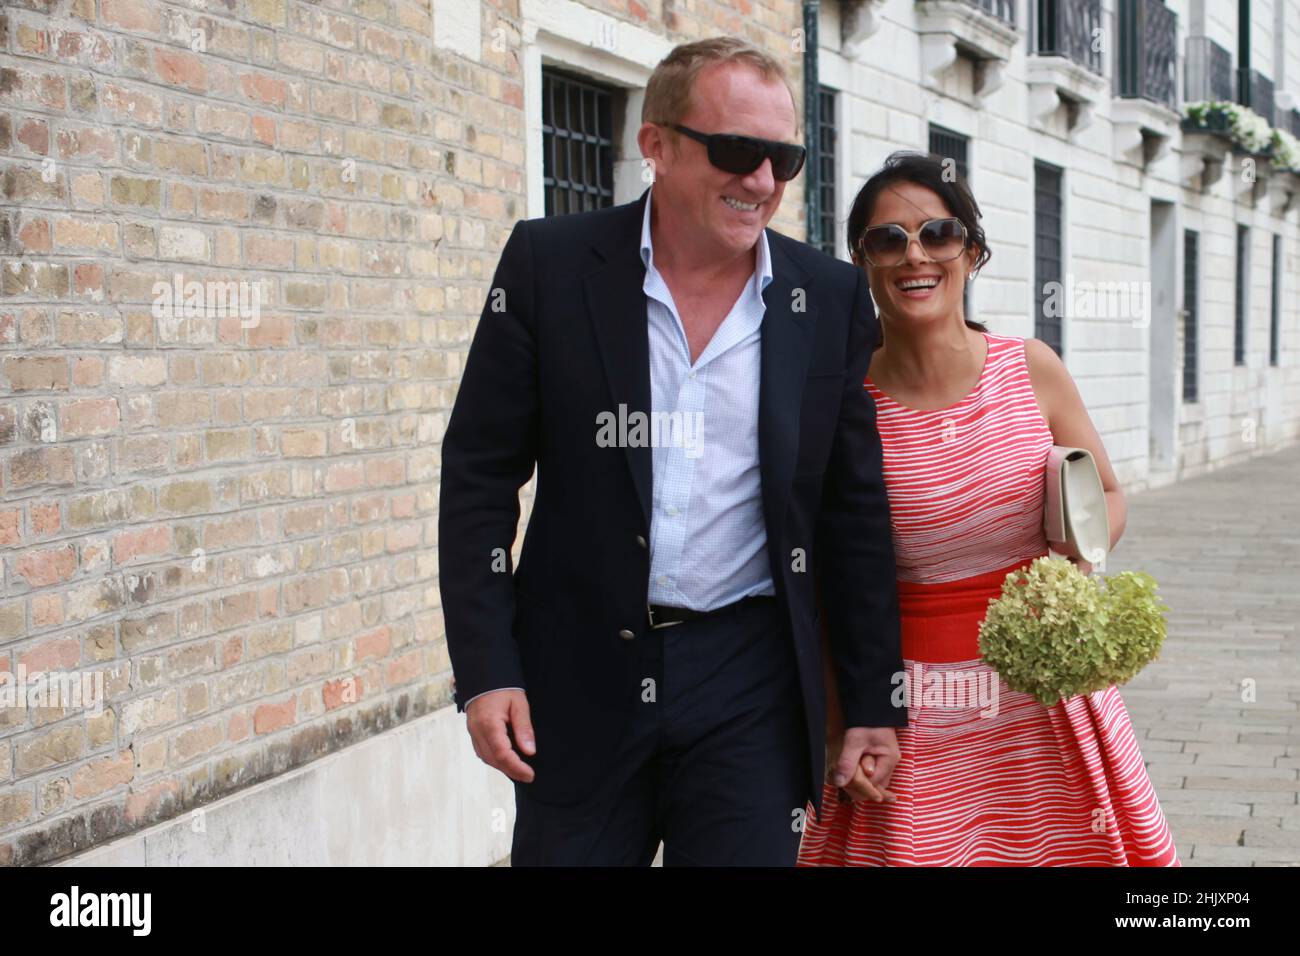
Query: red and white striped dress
987	776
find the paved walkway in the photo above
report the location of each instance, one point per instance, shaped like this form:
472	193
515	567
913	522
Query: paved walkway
1216	715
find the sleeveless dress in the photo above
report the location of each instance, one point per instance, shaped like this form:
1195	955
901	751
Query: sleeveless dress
987	776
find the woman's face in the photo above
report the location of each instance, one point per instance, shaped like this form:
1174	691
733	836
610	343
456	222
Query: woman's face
918	289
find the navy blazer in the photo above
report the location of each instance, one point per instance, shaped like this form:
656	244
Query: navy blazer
563	338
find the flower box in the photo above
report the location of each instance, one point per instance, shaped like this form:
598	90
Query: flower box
1243	127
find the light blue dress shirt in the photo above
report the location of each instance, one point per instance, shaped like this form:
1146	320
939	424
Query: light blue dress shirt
708	541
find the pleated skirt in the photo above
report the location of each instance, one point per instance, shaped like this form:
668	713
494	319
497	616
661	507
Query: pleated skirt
989	776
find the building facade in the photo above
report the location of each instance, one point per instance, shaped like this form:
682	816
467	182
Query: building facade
1160	259
243	247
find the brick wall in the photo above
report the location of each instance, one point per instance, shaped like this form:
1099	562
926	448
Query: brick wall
243	244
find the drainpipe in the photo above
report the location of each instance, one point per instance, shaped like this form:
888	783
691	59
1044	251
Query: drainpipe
812	168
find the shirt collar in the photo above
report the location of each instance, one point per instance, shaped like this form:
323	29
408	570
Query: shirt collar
762	267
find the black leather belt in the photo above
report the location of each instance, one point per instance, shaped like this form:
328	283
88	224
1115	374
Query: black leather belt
661	615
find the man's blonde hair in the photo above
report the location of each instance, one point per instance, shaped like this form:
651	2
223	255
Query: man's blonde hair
668	93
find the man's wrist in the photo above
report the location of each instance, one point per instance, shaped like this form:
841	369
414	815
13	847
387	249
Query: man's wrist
492	691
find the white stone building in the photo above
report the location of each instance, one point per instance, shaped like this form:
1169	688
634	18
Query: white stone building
1182	253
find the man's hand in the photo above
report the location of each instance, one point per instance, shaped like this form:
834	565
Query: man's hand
492	717
865	762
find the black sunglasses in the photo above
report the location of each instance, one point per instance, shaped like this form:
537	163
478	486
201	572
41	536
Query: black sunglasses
940	239
742	155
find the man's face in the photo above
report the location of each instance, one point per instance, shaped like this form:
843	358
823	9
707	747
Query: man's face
721	209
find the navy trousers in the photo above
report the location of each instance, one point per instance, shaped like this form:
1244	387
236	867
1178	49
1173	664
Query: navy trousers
715	763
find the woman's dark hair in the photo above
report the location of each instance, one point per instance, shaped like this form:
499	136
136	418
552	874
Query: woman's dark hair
934	173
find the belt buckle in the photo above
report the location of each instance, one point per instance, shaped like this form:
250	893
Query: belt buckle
650	616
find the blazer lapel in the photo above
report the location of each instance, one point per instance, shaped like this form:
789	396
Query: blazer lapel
786	349
616	305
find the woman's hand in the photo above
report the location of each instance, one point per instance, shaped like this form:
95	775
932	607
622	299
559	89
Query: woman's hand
1058	548
1080	563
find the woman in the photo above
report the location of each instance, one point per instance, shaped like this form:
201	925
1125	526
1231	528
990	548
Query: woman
966	420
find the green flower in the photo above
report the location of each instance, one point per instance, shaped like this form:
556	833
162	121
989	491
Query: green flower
1056	632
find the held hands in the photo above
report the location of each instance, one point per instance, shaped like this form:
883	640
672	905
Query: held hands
862	762
495	716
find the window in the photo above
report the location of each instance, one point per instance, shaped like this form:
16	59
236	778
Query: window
1048	255
827	139
952	145
1239	318
1002	9
1191	307
1275	313
1070	28
577	143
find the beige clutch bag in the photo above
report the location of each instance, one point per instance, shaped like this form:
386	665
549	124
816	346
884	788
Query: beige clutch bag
1074	516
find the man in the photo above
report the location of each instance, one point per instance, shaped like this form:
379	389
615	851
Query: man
689	388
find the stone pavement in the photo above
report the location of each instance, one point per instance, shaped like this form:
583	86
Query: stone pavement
1216	716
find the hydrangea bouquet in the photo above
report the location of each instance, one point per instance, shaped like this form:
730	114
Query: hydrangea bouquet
1055	632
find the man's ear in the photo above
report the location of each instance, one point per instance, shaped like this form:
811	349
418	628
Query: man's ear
653	141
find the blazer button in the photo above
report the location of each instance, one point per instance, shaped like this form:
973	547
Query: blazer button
626	634
641	541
